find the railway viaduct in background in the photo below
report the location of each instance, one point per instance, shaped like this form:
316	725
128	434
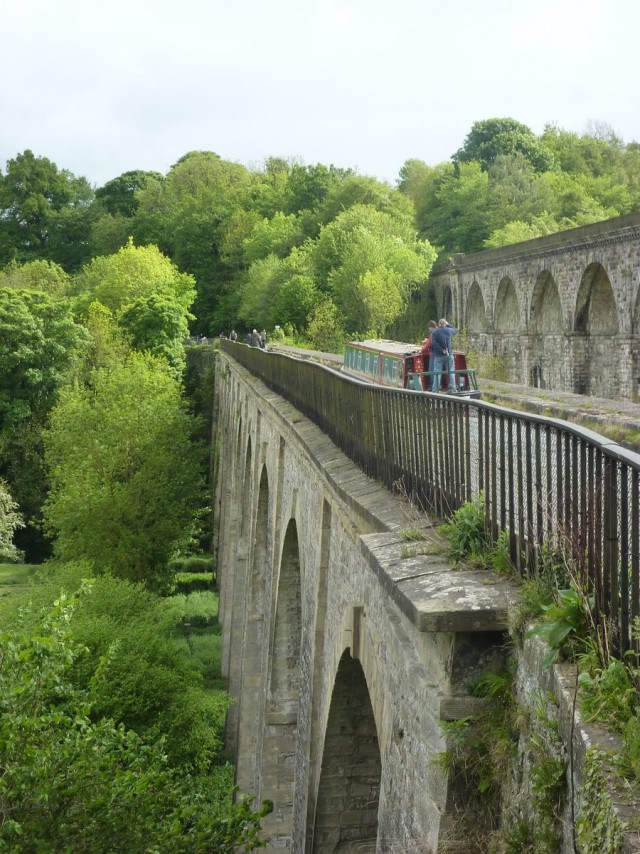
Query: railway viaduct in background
343	655
560	312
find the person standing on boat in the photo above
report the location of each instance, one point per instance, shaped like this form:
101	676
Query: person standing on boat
426	352
442	351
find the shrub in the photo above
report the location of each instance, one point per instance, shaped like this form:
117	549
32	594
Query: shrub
73	781
193	563
190	582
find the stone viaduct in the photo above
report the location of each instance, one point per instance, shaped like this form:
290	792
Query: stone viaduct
343	654
560	312
349	645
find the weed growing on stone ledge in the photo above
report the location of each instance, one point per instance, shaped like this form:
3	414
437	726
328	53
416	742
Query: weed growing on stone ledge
466	532
467	539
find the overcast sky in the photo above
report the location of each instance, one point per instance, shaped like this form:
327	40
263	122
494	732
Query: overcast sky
105	86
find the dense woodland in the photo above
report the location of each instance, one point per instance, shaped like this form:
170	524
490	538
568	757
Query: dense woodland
103	457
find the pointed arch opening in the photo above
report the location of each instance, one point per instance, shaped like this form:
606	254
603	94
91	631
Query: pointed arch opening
283	696
547	339
349	789
236	588
545	315
596	358
447	303
250	711
476	310
507	310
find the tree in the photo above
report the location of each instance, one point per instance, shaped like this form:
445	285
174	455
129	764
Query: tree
370	262
40	343
72	781
412	177
36	200
275	236
456	216
119	196
187	216
36	276
126	479
326	331
157	324
135	271
364	190
512	190
517	231
10	520
489	138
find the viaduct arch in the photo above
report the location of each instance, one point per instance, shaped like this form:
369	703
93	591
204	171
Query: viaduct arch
560	312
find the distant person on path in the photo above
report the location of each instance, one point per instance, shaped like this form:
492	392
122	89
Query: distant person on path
442	351
248	338
263	339
255	338
233	336
426	352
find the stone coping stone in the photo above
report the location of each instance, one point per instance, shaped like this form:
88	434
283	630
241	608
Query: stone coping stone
435	596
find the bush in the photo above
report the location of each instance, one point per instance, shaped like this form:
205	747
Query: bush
75	781
190	582
466	532
193	563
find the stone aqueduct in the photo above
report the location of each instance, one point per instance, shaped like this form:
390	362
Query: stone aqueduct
559	312
343	655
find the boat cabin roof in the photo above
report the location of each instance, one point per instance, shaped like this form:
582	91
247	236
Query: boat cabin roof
395	348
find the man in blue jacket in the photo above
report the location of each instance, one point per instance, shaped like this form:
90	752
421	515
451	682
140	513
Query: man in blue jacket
442	352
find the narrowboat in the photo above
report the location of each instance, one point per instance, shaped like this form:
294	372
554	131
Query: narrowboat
399	365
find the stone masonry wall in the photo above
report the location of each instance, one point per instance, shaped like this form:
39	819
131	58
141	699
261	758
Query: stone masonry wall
346	648
561	312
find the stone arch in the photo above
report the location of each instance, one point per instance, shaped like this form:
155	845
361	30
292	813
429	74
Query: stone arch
235	560
447	303
545	315
596	358
283	696
596	303
236	588
547	342
507	310
476	310
249	711
349	790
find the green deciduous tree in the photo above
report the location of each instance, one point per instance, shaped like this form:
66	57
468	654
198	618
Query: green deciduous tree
157	324
75	781
453	214
492	137
187	216
126	479
135	271
36	276
370	263
42	212
39	345
326	331
276	236
10	521
516	231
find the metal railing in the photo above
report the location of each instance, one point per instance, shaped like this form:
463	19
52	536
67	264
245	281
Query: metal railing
550	485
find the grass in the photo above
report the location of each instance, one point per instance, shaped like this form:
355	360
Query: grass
15	577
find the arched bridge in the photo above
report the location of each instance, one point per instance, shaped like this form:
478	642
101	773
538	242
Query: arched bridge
559	312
